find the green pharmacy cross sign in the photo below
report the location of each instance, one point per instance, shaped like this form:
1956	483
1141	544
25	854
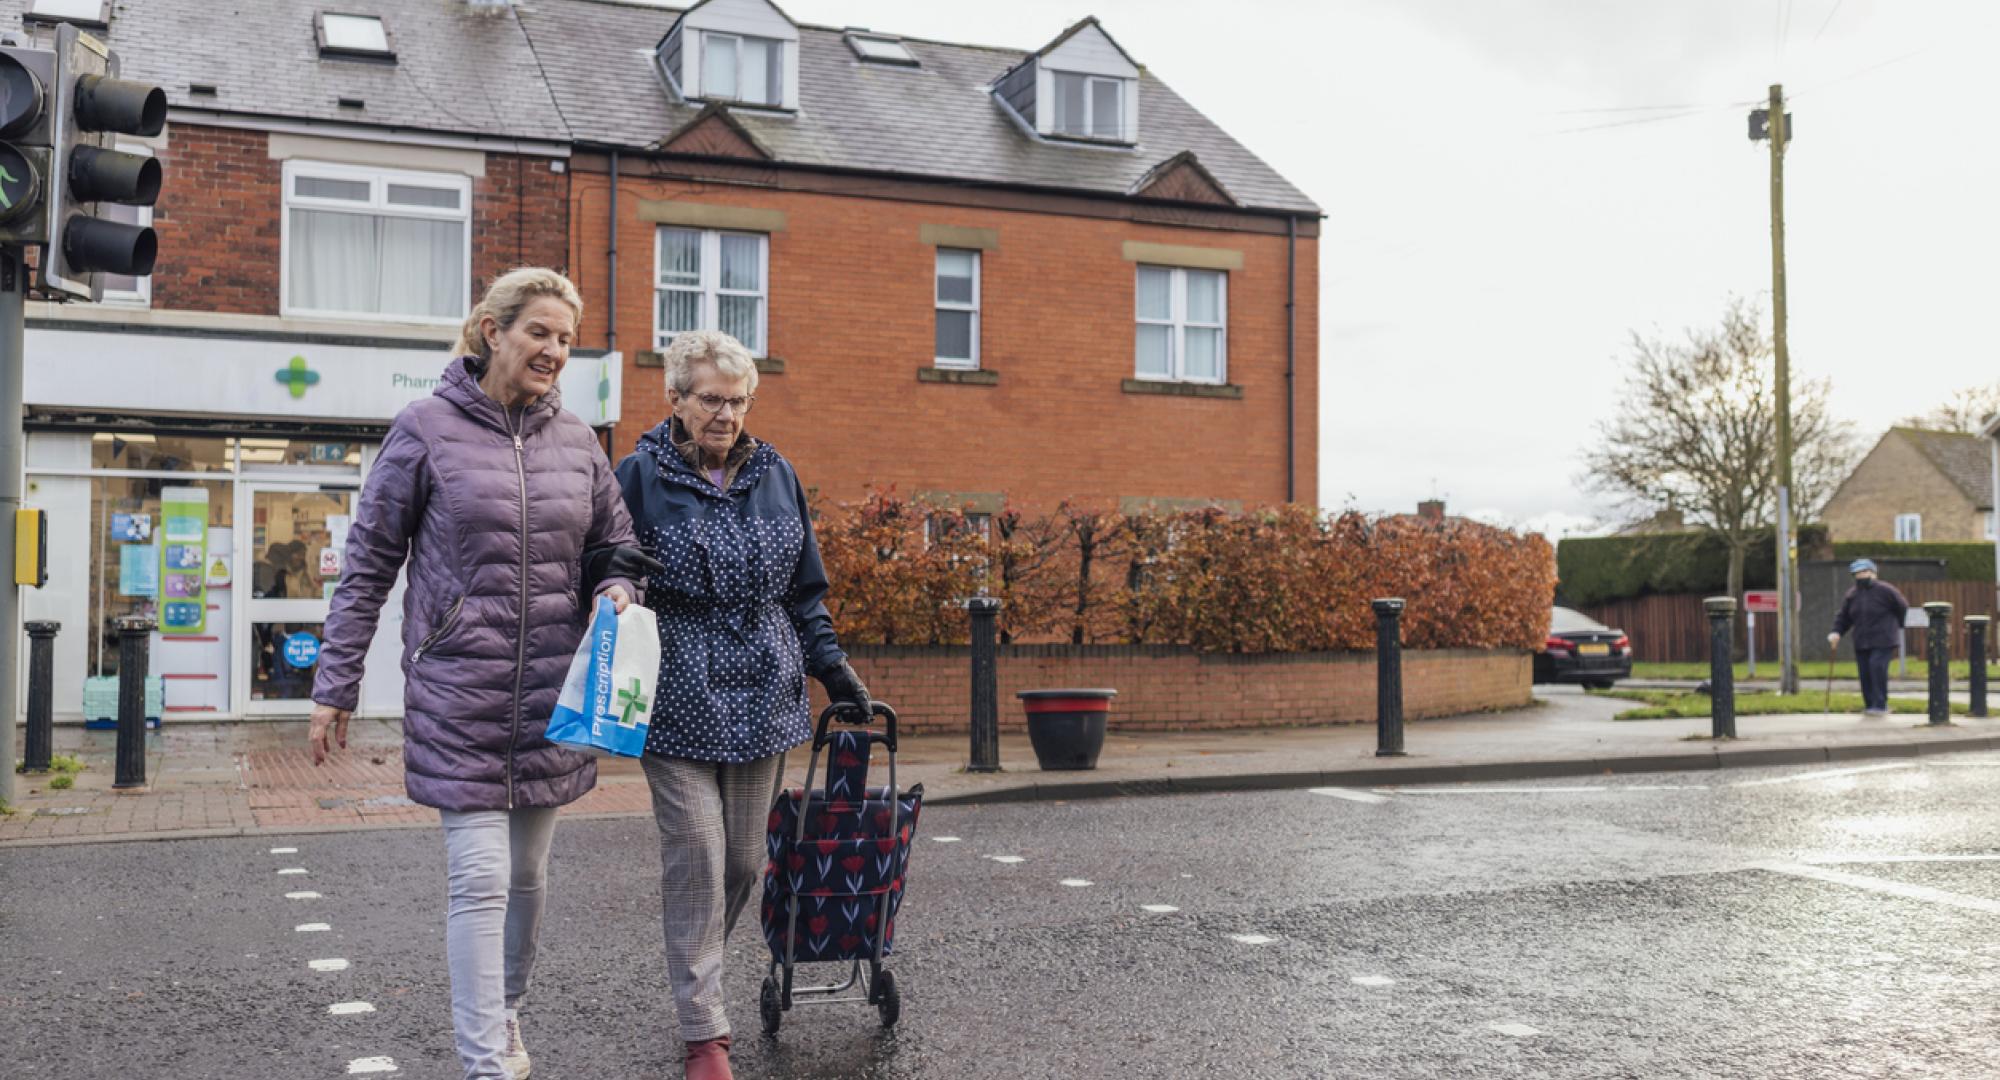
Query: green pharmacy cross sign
20	185
631	699
297	376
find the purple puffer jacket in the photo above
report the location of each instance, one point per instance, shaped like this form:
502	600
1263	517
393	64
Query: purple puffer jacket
493	509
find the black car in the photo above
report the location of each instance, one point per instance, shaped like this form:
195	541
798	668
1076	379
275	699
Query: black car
1580	649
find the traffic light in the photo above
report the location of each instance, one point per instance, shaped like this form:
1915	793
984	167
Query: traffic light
61	112
92	108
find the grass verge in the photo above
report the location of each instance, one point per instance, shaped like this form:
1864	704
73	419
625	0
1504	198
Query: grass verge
1686	705
1808	672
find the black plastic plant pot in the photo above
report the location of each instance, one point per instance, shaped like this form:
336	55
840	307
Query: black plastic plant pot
1066	727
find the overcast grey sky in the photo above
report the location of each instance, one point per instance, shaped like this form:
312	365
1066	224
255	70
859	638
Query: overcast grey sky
1485	258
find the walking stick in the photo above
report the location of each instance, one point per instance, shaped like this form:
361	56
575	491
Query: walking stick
1828	706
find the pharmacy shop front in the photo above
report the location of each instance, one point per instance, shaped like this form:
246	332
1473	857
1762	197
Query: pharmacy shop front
207	480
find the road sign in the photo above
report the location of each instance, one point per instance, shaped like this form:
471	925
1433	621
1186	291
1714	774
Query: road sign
1762	601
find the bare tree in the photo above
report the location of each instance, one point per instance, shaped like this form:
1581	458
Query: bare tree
1697	430
1966	411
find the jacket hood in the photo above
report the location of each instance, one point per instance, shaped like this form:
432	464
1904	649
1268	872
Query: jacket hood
460	386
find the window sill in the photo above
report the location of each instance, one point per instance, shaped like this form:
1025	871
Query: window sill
962	376
654	358
1183	389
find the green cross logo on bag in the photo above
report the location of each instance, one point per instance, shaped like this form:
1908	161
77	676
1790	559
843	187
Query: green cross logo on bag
631	699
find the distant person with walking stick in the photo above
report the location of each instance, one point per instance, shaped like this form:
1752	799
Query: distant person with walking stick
1874	611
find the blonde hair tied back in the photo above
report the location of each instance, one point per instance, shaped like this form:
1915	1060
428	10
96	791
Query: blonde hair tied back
504	300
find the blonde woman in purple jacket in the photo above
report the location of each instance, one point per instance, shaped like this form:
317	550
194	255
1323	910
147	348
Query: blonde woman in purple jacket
492	497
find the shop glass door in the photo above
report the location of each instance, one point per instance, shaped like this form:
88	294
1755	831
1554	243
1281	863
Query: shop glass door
291	538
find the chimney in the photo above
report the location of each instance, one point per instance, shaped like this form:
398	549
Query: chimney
1431	510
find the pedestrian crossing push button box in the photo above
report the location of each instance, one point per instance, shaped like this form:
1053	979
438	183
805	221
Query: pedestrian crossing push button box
31	547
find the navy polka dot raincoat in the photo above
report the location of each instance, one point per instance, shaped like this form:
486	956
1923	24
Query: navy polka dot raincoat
741	604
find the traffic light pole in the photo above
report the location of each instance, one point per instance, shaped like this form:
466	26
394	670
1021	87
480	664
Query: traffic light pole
13	470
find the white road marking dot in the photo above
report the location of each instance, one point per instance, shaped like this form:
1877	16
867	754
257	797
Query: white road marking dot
1251	939
1350	794
1823	774
1519	1031
1187	875
293	870
350	1008
1074	882
1883	885
1836	860
1159	909
330	964
1008	859
944	839
361	1066
311	928
1372	980
1502	790
301	896
284	851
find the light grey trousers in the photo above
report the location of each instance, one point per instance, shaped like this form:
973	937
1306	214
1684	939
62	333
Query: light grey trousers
496	867
711	818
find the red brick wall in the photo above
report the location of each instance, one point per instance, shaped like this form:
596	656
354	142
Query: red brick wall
851	316
1164	688
219	210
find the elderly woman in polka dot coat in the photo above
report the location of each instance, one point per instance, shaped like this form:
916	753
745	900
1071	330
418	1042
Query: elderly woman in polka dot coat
743	622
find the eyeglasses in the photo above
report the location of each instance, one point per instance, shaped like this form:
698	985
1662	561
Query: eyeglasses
713	403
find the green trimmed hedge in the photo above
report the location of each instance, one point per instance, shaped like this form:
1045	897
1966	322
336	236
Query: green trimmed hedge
1592	570
1962	561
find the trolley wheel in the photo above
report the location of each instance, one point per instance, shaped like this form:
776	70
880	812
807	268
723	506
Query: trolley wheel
888	1001
769	1007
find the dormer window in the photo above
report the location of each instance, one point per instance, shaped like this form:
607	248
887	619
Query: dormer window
746	69
1080	86
93	13
353	35
738	52
1089	106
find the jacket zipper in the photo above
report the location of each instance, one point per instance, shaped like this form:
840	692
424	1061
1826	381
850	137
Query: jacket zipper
431	638
521	635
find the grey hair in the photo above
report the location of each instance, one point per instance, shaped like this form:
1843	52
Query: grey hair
693	348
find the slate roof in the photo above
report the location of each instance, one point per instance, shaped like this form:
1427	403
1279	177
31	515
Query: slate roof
1963	459
582	71
937	120
457	70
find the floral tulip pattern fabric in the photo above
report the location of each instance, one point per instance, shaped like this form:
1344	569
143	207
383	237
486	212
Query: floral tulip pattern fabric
856	851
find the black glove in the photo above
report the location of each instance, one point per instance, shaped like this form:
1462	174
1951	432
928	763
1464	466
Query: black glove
844	687
600	564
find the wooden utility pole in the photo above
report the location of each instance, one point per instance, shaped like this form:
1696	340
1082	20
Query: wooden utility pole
1788	615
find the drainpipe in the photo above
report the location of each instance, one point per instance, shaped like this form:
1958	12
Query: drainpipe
1291	343
611	301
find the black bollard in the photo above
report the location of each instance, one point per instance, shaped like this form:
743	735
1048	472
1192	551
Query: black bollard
1937	654
985	686
1388	677
41	696
133	632
1721	666
1975	640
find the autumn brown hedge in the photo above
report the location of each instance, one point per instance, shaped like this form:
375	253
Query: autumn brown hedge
1280	579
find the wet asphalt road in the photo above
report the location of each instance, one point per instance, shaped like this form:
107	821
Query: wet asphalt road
1804	922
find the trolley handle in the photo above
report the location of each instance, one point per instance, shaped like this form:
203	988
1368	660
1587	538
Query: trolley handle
848	714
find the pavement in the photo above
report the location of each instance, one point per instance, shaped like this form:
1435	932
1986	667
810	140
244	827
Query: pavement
233	779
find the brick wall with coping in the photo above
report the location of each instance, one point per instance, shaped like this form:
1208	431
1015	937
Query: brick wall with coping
222	200
1170	688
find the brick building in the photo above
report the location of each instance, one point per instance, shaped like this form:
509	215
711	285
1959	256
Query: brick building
977	274
339	181
1916	485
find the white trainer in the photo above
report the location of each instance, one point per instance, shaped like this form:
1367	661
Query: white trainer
515	1058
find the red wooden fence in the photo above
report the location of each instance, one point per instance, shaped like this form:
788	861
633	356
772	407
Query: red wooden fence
1672	628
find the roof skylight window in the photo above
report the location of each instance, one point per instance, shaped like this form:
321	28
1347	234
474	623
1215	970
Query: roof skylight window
881	50
354	35
82	12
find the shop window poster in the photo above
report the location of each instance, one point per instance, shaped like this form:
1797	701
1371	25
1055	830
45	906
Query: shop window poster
132	528
138	570
183	563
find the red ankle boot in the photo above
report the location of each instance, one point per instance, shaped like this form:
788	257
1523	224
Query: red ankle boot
709	1060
